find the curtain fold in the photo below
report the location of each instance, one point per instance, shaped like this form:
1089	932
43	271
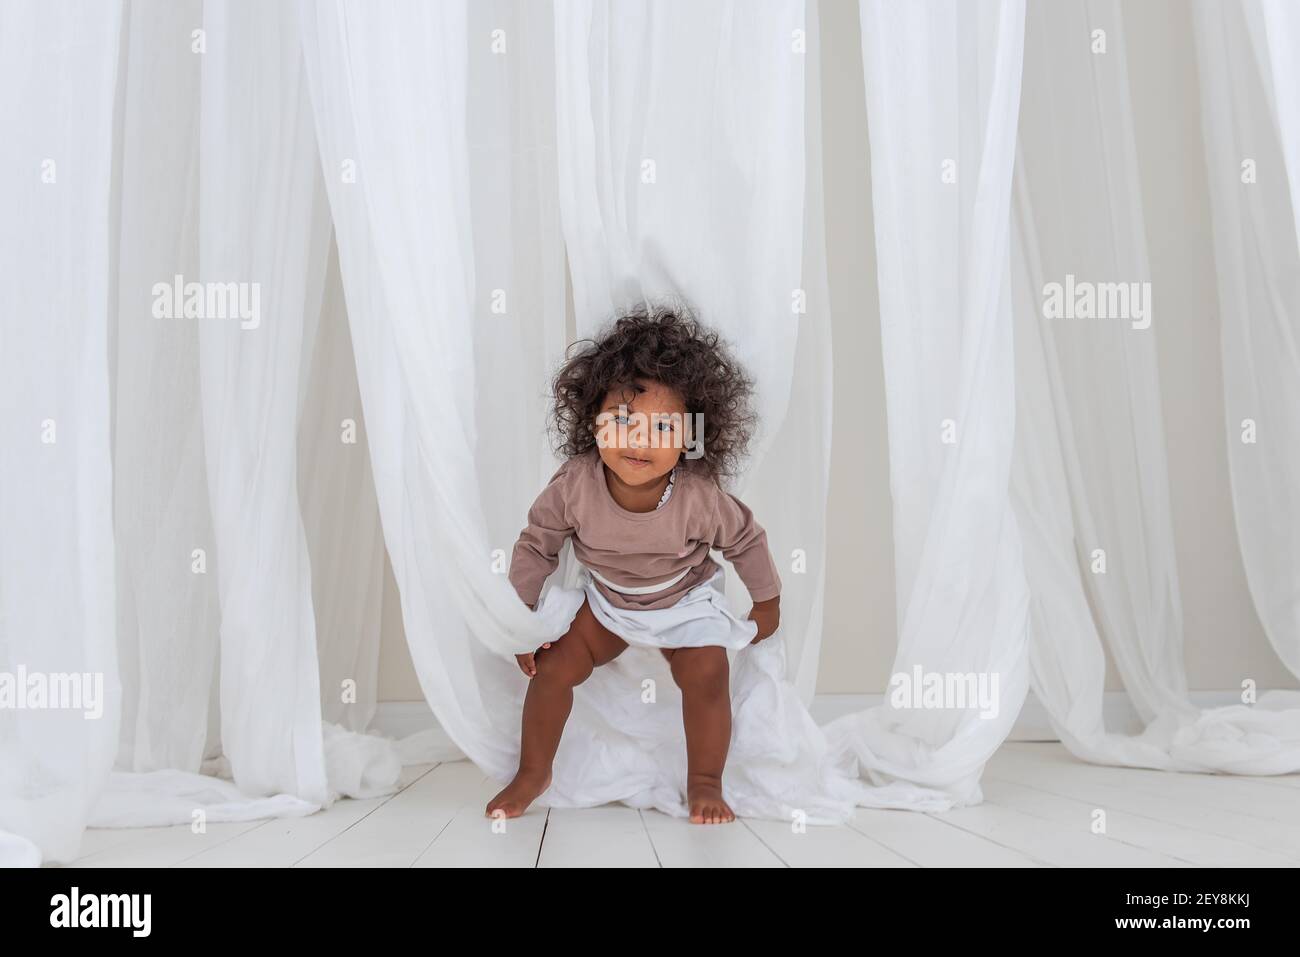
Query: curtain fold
166	566
262	229
412	272
388	90
1091	479
1090	462
1281	29
220	296
341	520
1250	94
519	311
943	93
59	71
798	545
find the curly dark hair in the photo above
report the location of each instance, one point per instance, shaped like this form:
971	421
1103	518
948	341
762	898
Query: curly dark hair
668	345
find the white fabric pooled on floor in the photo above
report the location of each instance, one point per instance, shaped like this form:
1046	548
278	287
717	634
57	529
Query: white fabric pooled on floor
626	742
17	851
356	766
161	798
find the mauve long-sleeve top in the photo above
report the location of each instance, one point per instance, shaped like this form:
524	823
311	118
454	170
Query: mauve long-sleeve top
640	549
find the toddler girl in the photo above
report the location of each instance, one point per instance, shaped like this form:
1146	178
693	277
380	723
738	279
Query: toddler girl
651	416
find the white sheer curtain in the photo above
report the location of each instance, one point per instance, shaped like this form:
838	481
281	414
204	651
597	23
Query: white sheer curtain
1068	456
1249	55
262	223
1091	477
394	142
60	71
345	541
167	625
223	490
519	314
943	92
208	408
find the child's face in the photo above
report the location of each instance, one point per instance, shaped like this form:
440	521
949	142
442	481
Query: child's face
641	441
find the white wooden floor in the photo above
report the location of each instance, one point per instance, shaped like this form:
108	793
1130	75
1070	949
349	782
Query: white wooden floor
1039	809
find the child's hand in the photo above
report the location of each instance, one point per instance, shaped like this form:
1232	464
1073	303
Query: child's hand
528	663
768	616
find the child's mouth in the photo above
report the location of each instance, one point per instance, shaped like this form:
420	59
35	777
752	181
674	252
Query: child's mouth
635	462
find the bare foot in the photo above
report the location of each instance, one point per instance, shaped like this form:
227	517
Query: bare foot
515	797
707	806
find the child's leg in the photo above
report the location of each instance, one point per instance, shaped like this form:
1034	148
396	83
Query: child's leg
560	668
703	674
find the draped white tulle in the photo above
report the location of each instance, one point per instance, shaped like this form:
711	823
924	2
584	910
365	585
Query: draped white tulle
1250	73
408	271
943	91
215	518
56	536
250	374
1091	483
167	622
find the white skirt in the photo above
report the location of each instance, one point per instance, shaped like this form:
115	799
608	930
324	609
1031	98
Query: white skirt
625	741
700	618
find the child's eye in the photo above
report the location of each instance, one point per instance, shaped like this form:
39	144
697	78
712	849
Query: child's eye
665	426
621	419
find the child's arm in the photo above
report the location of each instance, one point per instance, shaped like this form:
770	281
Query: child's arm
537	552
743	542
